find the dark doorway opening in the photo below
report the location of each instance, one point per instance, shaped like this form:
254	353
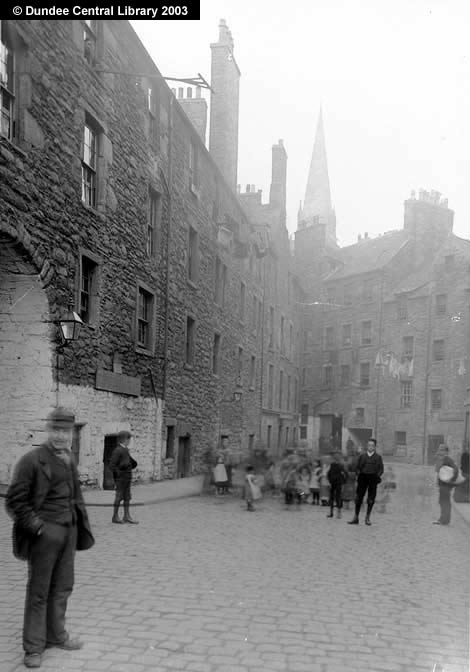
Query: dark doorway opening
110	443
184	456
361	436
331	433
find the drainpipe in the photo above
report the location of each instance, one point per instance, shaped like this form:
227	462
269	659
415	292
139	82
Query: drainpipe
427	373
263	313
379	373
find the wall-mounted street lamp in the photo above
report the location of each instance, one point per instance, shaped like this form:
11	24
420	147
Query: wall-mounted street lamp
69	329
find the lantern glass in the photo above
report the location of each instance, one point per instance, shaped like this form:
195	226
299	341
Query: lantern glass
70	327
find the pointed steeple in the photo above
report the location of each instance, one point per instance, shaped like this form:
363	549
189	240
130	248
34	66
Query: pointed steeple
317	202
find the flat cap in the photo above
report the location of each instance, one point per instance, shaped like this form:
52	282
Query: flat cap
61	417
123	435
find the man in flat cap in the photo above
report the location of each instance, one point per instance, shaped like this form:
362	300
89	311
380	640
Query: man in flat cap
122	464
50	523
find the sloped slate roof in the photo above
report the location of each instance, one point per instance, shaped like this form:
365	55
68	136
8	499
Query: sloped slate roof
370	254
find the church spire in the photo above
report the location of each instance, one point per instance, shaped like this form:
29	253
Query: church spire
317	201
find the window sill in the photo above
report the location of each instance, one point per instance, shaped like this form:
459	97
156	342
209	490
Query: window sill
188	367
141	350
12	146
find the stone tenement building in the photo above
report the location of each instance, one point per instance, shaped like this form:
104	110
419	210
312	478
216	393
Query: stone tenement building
110	200
385	328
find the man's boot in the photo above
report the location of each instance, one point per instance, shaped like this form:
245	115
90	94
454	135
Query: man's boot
116	518
330	515
127	516
369	509
355	520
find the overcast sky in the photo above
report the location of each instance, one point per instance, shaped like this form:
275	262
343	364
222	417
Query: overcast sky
393	80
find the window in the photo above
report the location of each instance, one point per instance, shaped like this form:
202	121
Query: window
7	88
331	295
271	327
438	350
89	163
269	433
88	289
406	394
347	295
304	414
89	40
366	333
400	438
260	314
242	301
252	372
364	374
304	376
153	112
436	399
347	335
189	345
360	415
345	375
282	336
291	341
153	218
144	319
240	367
288	393
441	304
402	308
408	346
220	282
193	166
327	375
303	432
193	255
368	290
281	388
170	442
270	385
330	337
296	386
216	354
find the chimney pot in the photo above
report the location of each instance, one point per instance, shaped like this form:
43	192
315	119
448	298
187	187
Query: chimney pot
359	237
247	188
198	91
366	235
189	92
180	92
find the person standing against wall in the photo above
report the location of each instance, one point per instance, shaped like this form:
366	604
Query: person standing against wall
445	482
122	464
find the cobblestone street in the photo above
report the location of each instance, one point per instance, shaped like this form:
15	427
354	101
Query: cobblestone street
204	586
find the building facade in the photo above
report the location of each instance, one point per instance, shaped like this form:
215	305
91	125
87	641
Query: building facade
111	202
384	328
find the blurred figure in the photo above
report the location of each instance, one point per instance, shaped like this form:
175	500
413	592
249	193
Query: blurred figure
337	477
314	485
303	484
228	462
252	489
324	482
349	488
220	475
445	481
289	478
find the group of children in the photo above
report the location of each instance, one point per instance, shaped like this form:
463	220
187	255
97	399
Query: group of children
328	482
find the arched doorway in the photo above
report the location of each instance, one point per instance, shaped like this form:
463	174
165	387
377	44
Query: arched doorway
26	375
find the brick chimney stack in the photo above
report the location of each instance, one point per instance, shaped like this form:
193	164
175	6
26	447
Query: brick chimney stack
196	109
225	81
